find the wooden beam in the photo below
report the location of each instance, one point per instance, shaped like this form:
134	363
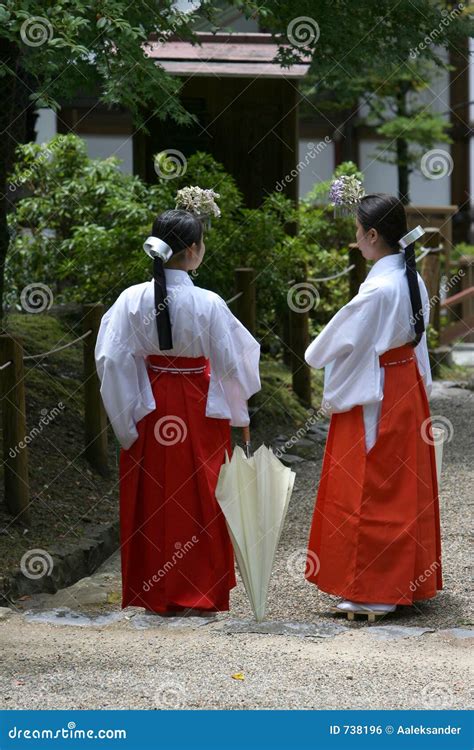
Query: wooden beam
15	448
456	298
459	330
95	418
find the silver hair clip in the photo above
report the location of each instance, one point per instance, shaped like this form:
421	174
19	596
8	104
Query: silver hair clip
156	248
411	237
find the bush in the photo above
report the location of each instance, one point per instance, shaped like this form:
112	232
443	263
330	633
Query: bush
461	249
76	228
80	224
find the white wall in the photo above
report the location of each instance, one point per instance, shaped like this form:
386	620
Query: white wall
435	96
45	125
382	178
98	146
318	169
101	146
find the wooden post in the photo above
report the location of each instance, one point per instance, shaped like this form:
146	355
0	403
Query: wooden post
15	450
245	303
466	263
430	271
286	335
301	300
95	417
359	272
435	216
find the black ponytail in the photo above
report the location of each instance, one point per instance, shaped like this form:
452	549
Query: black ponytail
386	214
179	229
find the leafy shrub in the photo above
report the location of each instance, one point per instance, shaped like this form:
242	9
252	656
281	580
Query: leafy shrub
80	223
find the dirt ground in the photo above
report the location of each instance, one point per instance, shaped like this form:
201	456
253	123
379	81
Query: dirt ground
79	649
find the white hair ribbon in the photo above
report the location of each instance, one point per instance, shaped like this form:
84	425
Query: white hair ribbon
156	248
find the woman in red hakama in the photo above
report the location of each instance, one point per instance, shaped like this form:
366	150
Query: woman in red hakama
375	529
172	393
176	551
375	532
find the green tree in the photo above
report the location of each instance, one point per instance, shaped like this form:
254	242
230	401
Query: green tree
383	53
409	128
50	51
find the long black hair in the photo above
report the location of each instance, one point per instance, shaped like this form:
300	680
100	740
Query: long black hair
179	229
386	214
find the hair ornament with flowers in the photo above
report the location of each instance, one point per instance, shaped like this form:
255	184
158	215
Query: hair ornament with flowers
345	194
199	201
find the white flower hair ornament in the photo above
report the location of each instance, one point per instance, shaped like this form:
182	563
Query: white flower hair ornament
345	194
199	201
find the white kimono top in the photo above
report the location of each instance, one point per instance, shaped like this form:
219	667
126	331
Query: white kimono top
375	320
201	325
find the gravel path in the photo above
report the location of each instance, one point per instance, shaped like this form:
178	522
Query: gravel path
78	649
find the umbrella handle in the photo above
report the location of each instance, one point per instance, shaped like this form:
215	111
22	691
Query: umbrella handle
246	434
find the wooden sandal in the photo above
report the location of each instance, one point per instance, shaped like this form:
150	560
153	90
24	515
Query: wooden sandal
371	616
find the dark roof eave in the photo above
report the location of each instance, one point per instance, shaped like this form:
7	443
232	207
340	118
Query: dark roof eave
240	55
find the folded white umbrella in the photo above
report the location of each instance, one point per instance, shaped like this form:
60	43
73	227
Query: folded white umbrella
438	440
253	493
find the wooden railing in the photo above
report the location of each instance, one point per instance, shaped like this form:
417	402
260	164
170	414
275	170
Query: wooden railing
12	390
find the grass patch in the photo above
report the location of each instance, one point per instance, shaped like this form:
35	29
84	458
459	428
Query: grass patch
65	494
279	409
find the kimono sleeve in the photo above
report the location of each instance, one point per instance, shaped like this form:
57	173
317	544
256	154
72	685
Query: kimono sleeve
351	328
234	358
125	385
346	348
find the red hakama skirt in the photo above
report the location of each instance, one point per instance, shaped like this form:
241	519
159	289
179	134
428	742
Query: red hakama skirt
176	552
375	533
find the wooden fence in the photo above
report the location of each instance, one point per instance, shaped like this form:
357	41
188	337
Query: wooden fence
295	340
460	303
15	436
